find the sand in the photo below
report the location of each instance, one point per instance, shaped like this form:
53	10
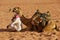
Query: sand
28	7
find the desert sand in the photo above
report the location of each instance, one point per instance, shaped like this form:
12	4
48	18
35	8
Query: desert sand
28	7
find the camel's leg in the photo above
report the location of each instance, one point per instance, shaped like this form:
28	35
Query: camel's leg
34	28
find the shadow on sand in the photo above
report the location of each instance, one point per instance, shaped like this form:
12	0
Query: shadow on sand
10	30
6	30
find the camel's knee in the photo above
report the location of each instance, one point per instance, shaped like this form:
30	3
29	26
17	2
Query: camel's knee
8	26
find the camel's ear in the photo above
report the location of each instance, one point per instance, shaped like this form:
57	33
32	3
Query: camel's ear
10	10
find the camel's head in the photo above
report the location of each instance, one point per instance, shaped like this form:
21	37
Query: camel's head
15	9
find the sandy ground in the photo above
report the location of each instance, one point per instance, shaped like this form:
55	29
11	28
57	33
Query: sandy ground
28	7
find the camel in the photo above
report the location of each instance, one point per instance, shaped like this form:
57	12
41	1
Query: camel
33	22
